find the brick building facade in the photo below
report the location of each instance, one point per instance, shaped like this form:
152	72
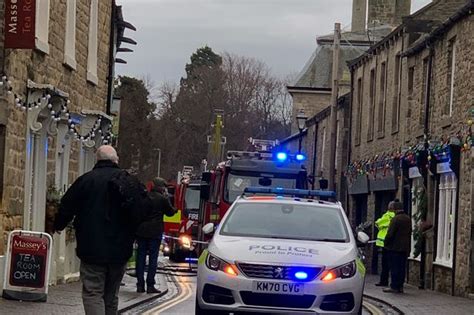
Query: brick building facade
62	90
409	110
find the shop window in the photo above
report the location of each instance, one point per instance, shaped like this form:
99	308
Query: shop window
448	110
42	25
70	36
359	111
370	129
446	219
93	43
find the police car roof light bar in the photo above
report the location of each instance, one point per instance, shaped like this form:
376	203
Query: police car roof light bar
290	192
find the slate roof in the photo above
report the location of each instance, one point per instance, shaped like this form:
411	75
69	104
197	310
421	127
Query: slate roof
317	73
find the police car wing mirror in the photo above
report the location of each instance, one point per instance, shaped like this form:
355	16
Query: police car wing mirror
208	228
363	238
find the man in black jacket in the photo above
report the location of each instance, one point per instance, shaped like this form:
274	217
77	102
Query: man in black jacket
149	235
397	242
104	233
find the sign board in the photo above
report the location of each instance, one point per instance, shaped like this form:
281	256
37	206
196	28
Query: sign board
414	172
20	24
27	266
442	168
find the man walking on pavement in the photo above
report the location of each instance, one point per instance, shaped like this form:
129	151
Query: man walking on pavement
105	231
149	235
397	242
382	225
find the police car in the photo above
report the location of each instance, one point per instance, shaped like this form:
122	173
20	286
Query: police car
282	251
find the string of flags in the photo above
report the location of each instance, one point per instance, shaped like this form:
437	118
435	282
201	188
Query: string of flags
58	114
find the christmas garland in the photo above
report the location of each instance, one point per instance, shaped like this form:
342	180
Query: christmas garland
419	218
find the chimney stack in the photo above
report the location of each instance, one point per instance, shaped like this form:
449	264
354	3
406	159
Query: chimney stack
359	15
387	12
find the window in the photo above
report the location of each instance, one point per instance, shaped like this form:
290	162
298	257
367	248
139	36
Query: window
423	91
411	81
70	40
416	195
42	25
450	80
370	129
93	46
359	111
382	97
446	219
396	98
323	149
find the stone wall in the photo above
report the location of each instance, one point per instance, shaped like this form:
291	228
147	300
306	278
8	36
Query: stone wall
311	102
22	65
388	11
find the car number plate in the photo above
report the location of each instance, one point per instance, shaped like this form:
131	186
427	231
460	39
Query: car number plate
278	287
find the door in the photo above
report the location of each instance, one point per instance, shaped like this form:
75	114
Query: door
360	202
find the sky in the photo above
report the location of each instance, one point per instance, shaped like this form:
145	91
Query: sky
281	33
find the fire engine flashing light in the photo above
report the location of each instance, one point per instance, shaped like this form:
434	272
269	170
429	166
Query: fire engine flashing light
302	193
281	156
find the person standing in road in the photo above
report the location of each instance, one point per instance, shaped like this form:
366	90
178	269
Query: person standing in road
149	235
397	242
382	225
105	228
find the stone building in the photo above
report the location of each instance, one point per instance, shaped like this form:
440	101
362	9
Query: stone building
55	101
407	107
311	92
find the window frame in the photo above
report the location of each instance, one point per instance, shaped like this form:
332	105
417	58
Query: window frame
382	100
70	35
447	208
450	75
42	25
372	94
93	43
359	111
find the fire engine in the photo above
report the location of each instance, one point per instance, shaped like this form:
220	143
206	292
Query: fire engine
241	170
182	227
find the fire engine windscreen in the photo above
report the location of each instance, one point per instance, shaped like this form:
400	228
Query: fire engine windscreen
236	183
192	197
286	221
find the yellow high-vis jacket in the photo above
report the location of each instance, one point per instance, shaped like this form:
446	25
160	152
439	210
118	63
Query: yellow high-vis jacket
382	225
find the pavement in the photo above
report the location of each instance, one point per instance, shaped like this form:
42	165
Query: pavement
420	302
66	299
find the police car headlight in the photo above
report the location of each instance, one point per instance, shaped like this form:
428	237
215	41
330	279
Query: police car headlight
217	264
342	272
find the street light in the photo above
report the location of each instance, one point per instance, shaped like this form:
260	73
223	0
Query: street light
301	121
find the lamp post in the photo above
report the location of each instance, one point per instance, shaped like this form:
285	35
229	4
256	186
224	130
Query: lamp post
301	122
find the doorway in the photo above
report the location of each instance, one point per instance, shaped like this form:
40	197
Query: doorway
360	202
382	199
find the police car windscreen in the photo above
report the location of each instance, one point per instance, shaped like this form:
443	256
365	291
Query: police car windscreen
236	184
287	221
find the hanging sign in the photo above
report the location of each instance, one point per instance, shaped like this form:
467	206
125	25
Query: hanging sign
27	266
414	172
20	24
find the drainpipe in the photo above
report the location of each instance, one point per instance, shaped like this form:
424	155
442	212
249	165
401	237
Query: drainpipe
426	132
110	76
316	130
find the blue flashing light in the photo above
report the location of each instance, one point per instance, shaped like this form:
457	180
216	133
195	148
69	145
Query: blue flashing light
189	259
281	156
300	157
302	193
301	275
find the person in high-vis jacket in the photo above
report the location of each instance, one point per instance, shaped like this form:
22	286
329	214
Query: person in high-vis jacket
382	225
